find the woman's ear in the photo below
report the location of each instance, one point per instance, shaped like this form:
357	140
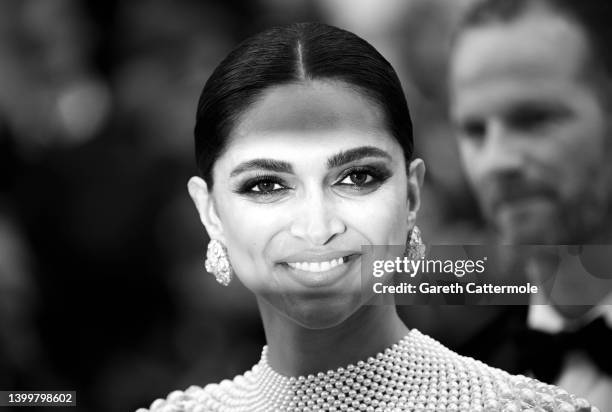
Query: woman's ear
416	174
204	202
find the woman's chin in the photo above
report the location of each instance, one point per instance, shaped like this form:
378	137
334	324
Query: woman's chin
323	314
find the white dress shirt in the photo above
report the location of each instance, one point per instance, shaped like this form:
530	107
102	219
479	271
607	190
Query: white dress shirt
579	375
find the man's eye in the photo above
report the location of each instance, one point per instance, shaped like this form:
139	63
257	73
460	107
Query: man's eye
357	179
530	119
473	129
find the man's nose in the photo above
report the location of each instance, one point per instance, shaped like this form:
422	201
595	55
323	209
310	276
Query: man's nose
317	220
502	153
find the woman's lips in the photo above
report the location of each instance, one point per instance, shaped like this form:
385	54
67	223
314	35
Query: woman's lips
315	274
318	266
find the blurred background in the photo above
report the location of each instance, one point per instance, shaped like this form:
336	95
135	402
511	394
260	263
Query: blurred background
102	282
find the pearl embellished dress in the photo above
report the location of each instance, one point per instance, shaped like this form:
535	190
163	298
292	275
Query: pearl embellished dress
416	374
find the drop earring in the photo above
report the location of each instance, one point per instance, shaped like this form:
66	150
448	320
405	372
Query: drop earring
415	248
217	262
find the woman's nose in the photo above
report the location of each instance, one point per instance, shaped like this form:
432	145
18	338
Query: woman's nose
317	220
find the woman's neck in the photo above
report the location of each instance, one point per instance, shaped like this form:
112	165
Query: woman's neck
294	350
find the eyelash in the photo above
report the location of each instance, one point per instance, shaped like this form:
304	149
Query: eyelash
378	175
246	188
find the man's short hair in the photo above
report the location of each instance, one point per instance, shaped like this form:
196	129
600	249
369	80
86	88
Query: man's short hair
593	16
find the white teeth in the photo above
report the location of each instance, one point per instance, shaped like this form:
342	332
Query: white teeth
317	266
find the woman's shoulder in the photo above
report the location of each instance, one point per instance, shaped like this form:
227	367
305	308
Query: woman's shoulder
466	379
193	399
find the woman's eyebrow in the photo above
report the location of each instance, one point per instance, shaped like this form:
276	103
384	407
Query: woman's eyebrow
339	159
265	164
347	156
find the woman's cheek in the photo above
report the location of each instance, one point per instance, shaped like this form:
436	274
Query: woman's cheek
245	218
391	215
381	220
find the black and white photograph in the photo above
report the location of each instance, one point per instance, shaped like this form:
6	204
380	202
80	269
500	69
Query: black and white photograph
306	205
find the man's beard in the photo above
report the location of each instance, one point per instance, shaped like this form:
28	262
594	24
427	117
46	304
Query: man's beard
577	220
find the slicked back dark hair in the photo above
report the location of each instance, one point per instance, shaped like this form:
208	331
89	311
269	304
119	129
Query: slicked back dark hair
289	54
594	17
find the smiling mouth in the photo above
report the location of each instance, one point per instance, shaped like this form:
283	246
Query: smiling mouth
316	267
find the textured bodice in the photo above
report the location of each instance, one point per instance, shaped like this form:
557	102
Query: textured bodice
416	374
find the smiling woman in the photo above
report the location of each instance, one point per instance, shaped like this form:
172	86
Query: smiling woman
304	145
309	175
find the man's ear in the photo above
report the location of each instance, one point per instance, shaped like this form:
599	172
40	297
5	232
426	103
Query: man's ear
416	174
204	203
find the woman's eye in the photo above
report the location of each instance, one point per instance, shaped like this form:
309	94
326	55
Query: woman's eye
363	180
263	188
266	187
357	179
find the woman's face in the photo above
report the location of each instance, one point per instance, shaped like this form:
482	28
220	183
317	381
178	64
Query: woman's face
310	174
